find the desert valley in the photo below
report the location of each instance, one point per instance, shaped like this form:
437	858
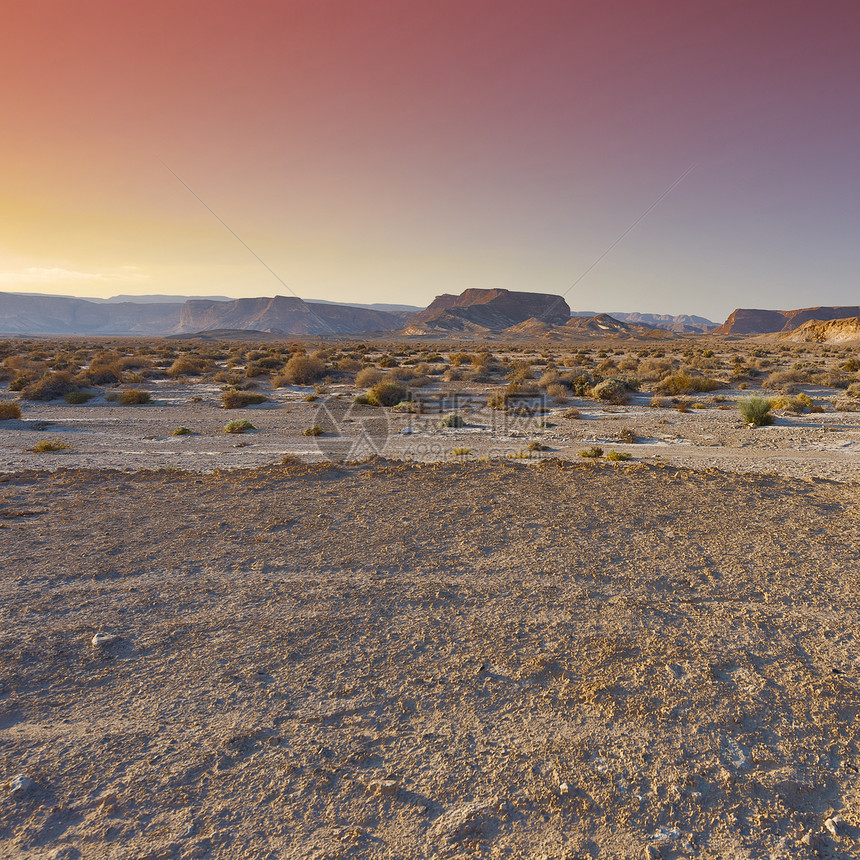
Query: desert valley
501	581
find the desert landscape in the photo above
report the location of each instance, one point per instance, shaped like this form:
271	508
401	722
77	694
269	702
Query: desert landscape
429	599
429	430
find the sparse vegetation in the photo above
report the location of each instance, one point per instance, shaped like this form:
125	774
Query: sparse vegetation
9	411
315	430
181	431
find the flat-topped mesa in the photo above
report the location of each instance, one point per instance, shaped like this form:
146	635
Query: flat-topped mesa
494	309
754	321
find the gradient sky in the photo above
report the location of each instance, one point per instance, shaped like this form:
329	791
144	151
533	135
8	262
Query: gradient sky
392	150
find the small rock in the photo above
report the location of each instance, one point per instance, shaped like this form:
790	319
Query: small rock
20	784
563	788
100	640
383	787
835	825
812	840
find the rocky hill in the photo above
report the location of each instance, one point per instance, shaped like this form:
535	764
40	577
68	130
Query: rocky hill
830	331
487	311
747	321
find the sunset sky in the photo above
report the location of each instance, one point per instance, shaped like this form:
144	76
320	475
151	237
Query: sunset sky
392	150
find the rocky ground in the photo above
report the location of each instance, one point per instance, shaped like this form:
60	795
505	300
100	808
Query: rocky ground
394	660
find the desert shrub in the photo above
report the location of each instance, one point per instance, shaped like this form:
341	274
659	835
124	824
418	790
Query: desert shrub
625	434
348	365
536	446
853	390
134	397
653	369
453	420
241	399
240	425
497	399
851	366
461	452
9	410
756	411
187	365
254	369
581	382
302	370
558	392
386	394
592	453
50	386
459	358
572	414
834	379
792	404
520	370
368	377
316	430
619	456
48	445
181	431
78	396
610	391
786	380
685	383
551	377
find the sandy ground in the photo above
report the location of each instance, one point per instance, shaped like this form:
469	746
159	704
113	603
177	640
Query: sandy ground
106	435
393	660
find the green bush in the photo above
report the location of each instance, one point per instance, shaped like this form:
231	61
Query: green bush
453	420
756	411
316	430
181	431
240	425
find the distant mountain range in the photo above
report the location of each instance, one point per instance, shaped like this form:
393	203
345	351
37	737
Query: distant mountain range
474	313
285	315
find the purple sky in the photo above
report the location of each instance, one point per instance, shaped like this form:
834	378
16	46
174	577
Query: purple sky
392	151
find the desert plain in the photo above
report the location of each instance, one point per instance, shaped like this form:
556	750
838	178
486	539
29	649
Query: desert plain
437	600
